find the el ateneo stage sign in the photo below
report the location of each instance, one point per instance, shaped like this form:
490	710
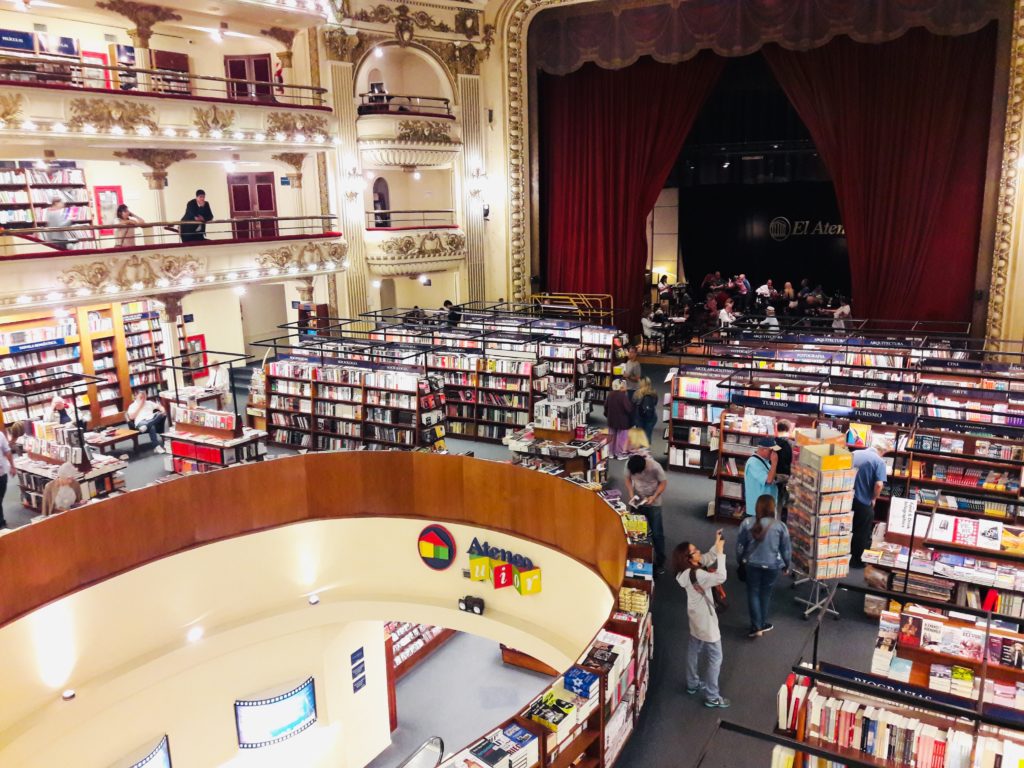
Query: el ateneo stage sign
779	231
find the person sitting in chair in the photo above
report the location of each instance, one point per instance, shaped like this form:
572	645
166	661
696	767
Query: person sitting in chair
146	416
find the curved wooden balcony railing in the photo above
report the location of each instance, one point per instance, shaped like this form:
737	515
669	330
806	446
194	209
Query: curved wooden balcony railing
72	73
30	242
87	545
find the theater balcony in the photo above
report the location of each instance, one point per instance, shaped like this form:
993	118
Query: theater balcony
90	118
400	140
415	243
41	266
36	74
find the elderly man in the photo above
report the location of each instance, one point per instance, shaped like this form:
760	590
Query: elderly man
759	474
867	487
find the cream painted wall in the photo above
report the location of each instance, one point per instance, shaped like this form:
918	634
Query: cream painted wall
663	236
404	71
432	191
218	315
444	285
196	707
137	677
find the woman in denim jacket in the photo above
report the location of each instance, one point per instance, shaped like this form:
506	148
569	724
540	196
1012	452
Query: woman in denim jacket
764	548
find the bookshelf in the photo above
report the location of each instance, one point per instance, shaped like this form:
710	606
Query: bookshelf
203	440
561	453
103	476
256	405
408	644
353	407
487	397
144	344
89	339
26	190
695	406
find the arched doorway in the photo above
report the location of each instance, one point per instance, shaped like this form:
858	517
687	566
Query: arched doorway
382	203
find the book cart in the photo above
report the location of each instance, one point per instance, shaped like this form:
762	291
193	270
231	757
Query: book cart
205	439
348	391
47	445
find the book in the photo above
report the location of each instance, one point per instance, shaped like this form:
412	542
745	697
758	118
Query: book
962	681
990	534
900	669
965	531
931	634
940	677
910	631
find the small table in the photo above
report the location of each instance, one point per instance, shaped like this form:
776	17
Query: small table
102	442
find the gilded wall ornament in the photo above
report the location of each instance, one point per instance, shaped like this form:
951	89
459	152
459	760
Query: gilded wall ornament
132	273
213	119
158	160
94	276
458	58
142	15
294	159
424	131
291	123
341	46
426	246
406	23
105	114
301	255
10	106
467	22
136	271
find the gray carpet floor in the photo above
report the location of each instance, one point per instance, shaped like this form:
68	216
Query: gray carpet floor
673	728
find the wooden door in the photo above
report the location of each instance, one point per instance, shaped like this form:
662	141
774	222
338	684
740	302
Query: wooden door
252	197
257	69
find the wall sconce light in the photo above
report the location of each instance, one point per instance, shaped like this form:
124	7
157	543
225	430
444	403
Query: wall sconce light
355	183
487	212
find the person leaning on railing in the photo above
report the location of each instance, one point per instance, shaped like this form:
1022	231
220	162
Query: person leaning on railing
125	235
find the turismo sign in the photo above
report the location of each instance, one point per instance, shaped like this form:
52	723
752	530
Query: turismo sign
780	228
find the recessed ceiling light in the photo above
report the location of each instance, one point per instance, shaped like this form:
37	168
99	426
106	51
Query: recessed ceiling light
195	634
314	599
68	695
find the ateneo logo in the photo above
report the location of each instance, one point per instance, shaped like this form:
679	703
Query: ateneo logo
436	547
780	228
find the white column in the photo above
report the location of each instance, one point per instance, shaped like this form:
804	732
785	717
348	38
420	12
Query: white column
473	205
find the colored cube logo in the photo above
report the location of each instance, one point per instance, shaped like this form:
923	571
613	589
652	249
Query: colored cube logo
479	568
527	582
503	575
436	547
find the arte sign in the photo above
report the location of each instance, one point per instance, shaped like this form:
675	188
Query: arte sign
436	547
503	568
780	228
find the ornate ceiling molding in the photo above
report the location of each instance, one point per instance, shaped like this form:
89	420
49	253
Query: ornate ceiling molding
299	256
105	114
212	119
294	159
287	38
159	160
136	272
142	15
406	23
424	132
415	254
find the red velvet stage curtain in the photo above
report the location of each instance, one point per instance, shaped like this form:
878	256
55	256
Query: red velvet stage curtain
609	140
902	129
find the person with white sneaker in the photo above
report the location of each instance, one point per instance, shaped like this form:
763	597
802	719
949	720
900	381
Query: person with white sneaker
147	416
705	636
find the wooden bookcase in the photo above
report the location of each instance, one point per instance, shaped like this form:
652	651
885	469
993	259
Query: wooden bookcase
201	447
25	193
403	639
694	415
344	407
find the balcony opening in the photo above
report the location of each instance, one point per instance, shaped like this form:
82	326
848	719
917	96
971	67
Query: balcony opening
403	81
67	207
412	199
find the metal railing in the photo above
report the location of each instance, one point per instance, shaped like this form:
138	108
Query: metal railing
400	104
32	241
396	219
71	72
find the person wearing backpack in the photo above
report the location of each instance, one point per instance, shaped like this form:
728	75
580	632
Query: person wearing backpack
645	408
763	551
690	567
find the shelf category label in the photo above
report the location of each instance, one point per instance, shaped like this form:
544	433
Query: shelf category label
34	345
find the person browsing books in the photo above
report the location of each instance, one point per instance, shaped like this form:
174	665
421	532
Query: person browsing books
618	411
146	416
759	474
867	487
645	484
63	492
705	644
783	428
645	408
632	372
763	546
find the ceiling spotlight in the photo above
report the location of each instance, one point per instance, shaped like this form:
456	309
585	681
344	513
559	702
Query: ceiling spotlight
416	175
59	128
54	296
193	134
328	265
423	279
293	269
163	282
209	278
314	600
82	292
170	133
252	274
187	281
239	289
68	695
378	52
88	128
726	164
195	634
60	312
237	135
23	299
312	267
231	276
274	271
259	137
344	264
375	283
216	36
280	136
